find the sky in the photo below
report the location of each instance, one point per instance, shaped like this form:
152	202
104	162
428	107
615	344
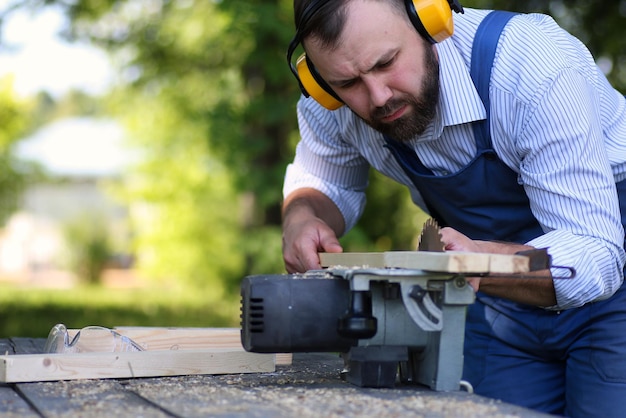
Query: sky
78	147
39	60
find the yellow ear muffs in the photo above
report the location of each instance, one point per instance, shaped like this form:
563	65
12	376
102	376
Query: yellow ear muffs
315	86
433	18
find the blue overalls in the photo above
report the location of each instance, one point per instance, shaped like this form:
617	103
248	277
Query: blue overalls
571	362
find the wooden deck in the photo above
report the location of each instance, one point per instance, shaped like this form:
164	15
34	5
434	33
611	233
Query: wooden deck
309	387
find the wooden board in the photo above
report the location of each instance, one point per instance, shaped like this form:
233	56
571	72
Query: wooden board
168	352
12	404
93	398
47	367
444	262
158	338
356	259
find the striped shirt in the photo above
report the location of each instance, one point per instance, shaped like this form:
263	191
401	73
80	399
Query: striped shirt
555	120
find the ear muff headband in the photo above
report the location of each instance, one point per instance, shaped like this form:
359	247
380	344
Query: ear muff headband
431	18
311	83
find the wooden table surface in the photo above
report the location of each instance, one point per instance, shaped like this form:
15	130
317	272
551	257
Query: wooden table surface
310	387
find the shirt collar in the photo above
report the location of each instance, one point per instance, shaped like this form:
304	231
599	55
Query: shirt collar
459	101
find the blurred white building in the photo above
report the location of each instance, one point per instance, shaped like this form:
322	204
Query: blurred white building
80	155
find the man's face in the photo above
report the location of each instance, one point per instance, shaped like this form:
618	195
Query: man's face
382	69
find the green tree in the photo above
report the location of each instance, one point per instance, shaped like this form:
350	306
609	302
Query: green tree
13	123
599	25
185	209
89	246
204	217
211	102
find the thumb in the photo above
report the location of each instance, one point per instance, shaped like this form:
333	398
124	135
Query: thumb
331	245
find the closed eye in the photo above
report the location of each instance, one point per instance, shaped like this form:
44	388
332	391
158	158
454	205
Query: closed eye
386	64
346	84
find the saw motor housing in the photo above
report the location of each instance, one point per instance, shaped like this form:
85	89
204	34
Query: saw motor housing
383	320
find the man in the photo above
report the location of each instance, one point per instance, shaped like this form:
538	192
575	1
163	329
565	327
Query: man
542	173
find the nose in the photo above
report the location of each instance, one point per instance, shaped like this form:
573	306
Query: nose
378	89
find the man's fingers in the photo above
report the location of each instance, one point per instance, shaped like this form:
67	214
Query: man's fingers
304	241
330	245
304	257
456	241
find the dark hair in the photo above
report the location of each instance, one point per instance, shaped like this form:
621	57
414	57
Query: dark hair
324	19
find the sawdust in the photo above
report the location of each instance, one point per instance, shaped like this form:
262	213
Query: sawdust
309	392
309	388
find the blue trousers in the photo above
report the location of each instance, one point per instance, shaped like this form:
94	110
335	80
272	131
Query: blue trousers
570	363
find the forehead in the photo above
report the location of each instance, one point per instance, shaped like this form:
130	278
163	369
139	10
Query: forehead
372	29
371	16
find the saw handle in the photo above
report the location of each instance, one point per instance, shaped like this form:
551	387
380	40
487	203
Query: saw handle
359	322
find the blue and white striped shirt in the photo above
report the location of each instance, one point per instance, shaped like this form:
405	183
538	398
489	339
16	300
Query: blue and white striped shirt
555	120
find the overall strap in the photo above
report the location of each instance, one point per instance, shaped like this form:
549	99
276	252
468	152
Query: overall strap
483	200
483	53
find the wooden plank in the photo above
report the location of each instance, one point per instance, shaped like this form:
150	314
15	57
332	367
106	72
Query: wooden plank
12	405
310	387
157	338
353	259
25	345
220	397
47	367
6	347
508	264
163	338
88	398
444	262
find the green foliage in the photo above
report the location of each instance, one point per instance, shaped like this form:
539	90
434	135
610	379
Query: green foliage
390	221
189	219
13	123
32	312
12	115
599	25
262	249
87	238
262	147
207	163
210	102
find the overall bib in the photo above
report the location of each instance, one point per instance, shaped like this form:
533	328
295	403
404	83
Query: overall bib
571	362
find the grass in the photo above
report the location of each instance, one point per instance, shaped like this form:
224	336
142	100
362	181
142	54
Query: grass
32	312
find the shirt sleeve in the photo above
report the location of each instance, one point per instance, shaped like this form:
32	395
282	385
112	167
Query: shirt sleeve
325	162
553	112
567	176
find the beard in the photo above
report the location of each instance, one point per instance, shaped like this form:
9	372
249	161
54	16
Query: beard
422	108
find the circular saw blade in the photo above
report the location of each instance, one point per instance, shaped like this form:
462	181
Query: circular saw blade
430	238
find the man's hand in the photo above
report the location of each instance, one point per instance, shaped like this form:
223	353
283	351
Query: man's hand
538	291
311	224
455	241
302	242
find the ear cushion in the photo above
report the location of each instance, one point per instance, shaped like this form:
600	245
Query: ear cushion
315	86
431	18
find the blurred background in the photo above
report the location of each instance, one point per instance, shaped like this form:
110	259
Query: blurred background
143	146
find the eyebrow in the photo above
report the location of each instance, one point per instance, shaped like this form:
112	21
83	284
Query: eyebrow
382	60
